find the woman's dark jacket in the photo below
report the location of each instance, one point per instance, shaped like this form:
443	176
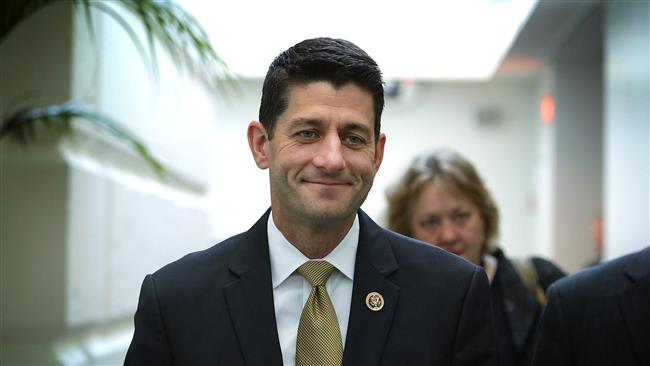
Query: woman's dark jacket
516	309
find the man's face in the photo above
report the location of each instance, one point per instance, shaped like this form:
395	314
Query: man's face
323	156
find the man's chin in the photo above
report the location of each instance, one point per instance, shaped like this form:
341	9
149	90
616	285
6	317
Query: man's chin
322	208
330	213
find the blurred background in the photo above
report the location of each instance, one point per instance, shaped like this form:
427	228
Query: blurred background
549	100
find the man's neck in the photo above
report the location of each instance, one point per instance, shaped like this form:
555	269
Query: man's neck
314	240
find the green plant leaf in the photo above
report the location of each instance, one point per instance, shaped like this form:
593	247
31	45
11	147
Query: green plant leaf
164	22
58	118
178	32
147	58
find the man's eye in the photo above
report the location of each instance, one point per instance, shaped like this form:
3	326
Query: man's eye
354	140
307	135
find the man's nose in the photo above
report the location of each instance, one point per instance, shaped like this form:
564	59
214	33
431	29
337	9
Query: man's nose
329	156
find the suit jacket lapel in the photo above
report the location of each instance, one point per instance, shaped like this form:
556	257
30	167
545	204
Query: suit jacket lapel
635	302
367	329
250	298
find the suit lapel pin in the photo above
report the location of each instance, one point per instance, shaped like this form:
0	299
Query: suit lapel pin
374	301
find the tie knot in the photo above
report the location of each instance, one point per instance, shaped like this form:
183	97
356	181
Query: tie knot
316	272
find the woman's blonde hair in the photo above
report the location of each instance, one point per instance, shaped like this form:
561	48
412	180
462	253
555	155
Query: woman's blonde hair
447	169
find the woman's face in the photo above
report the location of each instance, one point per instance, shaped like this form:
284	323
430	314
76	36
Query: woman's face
445	218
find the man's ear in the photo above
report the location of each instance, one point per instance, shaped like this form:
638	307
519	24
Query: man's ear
379	151
258	143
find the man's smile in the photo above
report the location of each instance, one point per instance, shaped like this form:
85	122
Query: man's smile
328	182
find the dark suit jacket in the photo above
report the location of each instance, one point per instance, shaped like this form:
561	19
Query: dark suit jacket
516	309
215	307
600	316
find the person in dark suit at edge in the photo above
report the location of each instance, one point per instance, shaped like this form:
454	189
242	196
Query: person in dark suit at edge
599	316
389	300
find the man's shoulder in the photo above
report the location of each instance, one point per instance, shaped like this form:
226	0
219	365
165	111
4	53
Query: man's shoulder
603	279
200	263
218	251
219	257
415	255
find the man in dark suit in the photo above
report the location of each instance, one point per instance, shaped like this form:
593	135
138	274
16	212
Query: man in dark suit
600	316
384	299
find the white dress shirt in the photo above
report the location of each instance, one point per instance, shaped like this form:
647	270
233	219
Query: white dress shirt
291	290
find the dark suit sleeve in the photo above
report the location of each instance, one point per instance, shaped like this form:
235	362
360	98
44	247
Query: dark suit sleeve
552	346
149	345
474	345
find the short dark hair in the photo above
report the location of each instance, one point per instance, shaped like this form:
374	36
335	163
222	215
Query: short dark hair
336	61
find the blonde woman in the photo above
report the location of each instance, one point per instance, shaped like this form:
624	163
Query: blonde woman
441	200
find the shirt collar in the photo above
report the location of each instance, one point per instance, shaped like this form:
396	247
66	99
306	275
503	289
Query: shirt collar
285	258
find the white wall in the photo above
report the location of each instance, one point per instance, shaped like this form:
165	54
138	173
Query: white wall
240	191
627	126
33	190
577	142
144	222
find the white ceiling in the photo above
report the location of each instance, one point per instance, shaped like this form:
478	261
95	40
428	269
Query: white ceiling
422	40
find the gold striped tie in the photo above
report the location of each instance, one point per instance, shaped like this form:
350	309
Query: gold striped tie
319	335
